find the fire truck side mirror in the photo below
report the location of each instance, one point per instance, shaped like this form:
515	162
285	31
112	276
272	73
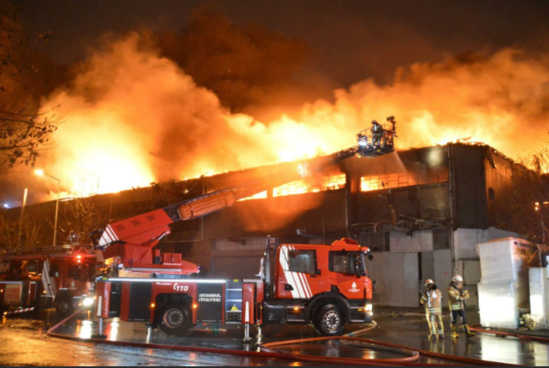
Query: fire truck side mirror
370	257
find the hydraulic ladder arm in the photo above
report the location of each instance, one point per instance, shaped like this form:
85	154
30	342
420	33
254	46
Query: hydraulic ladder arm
134	238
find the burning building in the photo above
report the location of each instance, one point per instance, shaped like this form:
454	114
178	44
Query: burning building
421	212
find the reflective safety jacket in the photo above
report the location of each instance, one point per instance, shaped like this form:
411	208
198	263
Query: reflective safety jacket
456	297
432	299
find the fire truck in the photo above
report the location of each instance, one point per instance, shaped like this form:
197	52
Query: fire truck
327	285
36	278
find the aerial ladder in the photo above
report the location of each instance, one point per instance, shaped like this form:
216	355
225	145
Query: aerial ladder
132	240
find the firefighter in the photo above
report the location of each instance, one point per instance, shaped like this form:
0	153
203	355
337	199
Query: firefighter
457	296
432	299
377	132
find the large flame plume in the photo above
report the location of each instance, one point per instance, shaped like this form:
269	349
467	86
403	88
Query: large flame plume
132	117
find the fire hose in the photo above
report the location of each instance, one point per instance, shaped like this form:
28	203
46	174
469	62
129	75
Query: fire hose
411	358
265	351
258	354
478	328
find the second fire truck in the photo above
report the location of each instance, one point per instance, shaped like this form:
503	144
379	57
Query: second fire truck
61	277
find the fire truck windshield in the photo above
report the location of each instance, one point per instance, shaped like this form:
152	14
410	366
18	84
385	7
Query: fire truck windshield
350	263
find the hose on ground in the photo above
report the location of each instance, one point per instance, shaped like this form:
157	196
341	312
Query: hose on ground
258	354
374	346
411	358
388	346
63	321
478	328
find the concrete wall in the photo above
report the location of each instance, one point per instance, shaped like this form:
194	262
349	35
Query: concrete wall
413	259
437	265
466	240
397	279
469	186
420	241
470	270
237	260
443	271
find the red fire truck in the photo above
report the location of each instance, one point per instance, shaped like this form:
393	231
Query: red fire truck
326	285
35	278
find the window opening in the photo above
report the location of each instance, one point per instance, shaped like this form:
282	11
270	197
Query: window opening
350	263
302	261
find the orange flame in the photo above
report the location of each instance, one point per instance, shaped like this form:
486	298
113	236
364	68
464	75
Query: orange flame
132	117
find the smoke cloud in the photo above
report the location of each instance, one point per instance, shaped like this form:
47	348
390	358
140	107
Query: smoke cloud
244	65
133	116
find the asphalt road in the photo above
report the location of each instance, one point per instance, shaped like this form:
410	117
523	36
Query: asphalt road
23	342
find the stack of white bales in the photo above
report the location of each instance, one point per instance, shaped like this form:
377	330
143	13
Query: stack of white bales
503	288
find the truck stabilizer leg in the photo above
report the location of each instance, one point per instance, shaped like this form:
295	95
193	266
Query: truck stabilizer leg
247	338
99	334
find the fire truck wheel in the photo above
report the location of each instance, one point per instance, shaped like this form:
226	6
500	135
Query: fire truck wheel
328	321
64	307
174	319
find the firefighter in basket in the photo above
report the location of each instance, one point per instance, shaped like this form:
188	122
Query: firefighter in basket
432	299
377	133
458	295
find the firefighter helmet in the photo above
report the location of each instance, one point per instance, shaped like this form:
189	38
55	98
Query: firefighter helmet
429	282
457	278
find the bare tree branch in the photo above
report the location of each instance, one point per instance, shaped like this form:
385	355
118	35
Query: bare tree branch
24	131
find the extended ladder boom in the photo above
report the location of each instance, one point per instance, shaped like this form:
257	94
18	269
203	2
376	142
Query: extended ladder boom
146	230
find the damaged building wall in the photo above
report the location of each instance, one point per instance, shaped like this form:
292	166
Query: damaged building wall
468	186
313	212
476	175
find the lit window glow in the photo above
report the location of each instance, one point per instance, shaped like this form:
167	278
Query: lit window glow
399	180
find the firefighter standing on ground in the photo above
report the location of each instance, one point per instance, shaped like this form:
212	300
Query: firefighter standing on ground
457	296
432	299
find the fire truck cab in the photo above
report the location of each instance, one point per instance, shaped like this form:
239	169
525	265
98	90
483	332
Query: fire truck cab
327	285
60	277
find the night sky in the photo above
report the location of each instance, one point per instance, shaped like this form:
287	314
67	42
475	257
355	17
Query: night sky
350	40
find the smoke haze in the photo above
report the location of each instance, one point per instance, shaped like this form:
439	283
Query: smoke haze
133	116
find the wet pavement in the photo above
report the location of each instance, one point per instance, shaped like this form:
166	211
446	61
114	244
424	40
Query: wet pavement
397	326
411	332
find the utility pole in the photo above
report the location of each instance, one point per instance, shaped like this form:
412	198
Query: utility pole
21	219
542	225
40	172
